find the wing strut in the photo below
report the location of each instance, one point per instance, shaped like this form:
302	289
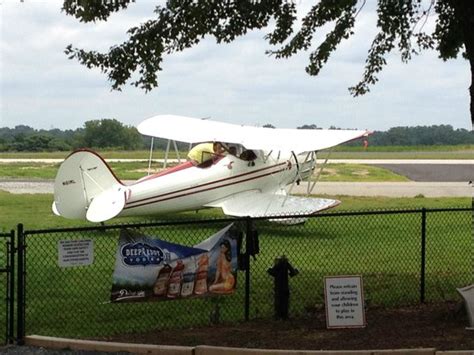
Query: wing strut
305	170
311	172
177	151
318	175
151	153
168	146
266	157
296	179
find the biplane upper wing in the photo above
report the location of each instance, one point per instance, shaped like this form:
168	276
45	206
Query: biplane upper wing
194	130
257	204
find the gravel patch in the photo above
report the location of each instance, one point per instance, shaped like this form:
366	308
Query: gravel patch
27	187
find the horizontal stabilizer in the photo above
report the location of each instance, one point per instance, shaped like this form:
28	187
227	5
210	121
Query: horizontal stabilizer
107	204
55	209
258	204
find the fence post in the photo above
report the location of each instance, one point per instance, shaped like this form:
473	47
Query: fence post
423	255
248	241
11	288
20	331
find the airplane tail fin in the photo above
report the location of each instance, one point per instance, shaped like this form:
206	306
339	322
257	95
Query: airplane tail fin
86	188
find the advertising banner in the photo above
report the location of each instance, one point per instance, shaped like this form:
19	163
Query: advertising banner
150	269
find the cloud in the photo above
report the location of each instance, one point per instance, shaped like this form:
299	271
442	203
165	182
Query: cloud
233	82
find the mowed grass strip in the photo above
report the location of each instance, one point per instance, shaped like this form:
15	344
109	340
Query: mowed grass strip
34	210
33	170
339	152
136	170
358	173
28	170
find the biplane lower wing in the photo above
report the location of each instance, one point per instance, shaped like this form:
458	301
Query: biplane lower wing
257	204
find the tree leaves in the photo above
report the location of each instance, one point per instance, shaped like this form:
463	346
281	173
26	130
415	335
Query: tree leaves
93	10
181	24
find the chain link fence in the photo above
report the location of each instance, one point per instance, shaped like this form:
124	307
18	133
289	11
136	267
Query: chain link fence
449	253
404	257
385	248
74	301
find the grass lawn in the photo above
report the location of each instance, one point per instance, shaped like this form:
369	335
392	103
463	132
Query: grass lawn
34	210
384	249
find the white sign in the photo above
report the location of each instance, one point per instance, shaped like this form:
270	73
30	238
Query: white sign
75	252
344	298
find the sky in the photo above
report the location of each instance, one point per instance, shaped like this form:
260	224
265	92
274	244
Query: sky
235	83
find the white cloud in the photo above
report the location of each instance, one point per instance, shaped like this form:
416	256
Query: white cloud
234	82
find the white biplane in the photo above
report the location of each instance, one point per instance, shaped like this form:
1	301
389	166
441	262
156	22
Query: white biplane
254	177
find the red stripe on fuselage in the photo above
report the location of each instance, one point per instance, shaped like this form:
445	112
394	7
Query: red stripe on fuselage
159	198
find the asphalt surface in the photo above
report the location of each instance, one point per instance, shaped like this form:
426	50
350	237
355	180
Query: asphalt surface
430	172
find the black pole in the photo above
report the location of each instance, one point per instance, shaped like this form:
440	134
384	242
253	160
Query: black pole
423	255
248	241
7	295
20	335
11	288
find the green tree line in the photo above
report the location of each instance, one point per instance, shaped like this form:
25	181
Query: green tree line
423	135
112	134
103	134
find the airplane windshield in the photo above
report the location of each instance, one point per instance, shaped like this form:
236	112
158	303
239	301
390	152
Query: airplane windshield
206	154
240	152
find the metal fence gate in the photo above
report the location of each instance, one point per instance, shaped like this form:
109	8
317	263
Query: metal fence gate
7	286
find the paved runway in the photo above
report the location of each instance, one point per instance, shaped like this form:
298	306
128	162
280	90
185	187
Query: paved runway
426	172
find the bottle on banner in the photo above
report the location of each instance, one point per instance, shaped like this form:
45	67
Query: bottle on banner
189	275
200	286
174	286
161	284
